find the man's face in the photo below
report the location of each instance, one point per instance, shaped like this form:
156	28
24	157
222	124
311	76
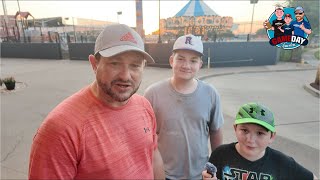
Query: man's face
299	15
279	13
185	64
119	76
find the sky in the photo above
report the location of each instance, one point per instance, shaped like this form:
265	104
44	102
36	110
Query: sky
241	11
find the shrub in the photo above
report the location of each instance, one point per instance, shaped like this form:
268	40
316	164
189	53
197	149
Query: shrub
10	82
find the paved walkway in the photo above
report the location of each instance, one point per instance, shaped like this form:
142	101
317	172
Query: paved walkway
42	84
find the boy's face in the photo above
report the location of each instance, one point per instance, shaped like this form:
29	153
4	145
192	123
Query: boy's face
279	13
185	64
287	20
253	139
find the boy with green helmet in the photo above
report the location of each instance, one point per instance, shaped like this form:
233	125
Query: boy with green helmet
250	157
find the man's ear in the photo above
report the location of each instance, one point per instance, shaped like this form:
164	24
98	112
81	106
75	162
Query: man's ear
93	62
201	63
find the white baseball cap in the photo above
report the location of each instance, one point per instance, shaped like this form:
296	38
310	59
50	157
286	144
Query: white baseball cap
279	7
119	38
189	42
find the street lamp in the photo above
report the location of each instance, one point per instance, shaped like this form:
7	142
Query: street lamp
254	2
159	40
5	18
74	30
118	14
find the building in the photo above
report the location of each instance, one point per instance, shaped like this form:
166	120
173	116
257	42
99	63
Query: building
47	29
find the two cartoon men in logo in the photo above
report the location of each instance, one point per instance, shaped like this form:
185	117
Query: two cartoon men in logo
299	27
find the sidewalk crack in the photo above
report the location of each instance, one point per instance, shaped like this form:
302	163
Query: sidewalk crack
12	150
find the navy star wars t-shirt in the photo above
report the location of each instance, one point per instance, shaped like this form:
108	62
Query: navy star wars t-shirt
274	165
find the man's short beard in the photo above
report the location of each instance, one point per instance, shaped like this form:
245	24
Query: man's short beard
299	18
108	91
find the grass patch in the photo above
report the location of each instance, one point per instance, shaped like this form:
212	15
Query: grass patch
317	54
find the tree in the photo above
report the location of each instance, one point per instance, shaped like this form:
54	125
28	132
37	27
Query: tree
180	33
212	35
227	34
261	31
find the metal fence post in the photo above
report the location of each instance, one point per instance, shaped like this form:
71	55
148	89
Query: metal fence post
208	58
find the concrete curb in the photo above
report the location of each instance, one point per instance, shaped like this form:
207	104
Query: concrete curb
311	90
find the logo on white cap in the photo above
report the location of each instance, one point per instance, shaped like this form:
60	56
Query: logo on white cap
188	42
128	37
119	38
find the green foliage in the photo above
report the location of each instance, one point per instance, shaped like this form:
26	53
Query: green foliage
180	33
227	34
212	35
285	55
9	80
293	55
261	31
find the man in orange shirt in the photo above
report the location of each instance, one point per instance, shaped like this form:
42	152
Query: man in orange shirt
105	130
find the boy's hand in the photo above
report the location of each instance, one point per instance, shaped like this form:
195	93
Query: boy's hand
207	176
280	29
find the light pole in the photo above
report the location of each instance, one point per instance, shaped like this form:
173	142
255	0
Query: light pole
254	2
118	14
74	30
159	40
5	17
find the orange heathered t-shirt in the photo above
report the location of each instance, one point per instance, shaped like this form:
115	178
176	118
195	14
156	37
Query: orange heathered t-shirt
82	138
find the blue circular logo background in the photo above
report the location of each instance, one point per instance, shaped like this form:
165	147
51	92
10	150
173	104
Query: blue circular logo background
285	45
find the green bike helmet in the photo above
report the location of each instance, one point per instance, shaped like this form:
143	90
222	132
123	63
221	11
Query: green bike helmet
257	114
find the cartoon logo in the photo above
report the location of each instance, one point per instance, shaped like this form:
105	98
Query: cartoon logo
288	28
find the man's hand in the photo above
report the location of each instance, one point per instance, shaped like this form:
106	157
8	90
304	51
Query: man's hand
302	27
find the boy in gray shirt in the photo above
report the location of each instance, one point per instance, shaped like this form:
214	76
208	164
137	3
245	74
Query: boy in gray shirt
188	112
